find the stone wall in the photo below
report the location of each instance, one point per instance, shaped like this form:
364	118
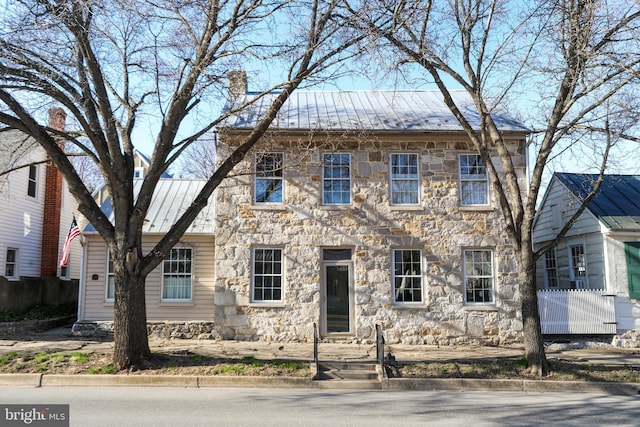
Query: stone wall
372	228
168	329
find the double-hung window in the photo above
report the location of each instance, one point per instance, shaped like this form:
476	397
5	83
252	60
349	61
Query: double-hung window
176	275
111	290
269	182
404	179
474	181
578	266
267	275
32	182
478	276
336	179
551	269
407	275
11	264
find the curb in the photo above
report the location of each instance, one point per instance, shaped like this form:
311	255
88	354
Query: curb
395	384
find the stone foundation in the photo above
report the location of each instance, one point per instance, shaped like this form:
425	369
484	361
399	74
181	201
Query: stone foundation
628	339
178	330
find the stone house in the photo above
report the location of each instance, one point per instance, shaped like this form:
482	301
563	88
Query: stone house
356	209
590	280
360	208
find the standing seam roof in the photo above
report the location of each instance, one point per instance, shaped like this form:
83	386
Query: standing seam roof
366	110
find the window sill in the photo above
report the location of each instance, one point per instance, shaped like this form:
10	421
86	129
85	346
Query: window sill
267	305
409	305
108	303
336	207
169	303
477	208
269	207
480	307
406	207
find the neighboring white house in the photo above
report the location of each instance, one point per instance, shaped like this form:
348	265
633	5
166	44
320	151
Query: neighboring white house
600	255
36	211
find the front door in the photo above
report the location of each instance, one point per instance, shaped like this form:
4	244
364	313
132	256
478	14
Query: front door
337	302
632	250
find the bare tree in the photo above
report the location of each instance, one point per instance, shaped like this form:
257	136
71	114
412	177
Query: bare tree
199	160
111	64
576	60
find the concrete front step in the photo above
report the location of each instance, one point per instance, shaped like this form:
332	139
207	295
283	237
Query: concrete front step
348	371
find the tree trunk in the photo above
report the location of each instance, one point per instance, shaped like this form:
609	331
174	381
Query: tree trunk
533	342
131	343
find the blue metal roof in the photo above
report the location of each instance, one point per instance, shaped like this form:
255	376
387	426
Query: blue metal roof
617	203
382	110
170	200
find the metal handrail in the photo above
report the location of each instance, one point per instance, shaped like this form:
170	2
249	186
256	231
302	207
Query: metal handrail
315	348
380	349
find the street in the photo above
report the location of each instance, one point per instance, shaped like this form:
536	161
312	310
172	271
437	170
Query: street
131	406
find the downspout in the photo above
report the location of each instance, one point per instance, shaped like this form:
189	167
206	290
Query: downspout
81	280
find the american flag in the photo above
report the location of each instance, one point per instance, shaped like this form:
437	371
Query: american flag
74	232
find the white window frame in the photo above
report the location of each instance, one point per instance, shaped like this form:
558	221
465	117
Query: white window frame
138	173
472	274
274	176
260	273
404	180
399	281
579	279
14	264
551	269
110	285
467	179
174	262
65	272
32	182
325	180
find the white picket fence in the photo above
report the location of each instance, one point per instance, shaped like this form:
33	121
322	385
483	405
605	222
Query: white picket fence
576	311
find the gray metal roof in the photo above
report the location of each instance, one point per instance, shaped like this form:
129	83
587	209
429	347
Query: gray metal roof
617	203
171	198
399	110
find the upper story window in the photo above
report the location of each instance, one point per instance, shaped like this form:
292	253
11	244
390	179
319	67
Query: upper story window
336	179
32	183
404	179
138	173
474	181
407	275
267	275
11	264
478	276
269	178
177	275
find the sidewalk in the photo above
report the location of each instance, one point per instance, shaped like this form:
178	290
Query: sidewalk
60	340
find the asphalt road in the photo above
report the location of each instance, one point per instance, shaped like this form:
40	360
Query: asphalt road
135	406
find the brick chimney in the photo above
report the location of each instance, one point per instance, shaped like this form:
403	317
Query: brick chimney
237	84
52	205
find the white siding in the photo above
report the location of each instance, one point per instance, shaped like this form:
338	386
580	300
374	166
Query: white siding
558	206
94	306
627	310
21	216
69	208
